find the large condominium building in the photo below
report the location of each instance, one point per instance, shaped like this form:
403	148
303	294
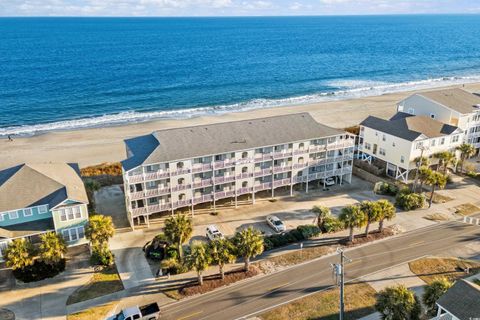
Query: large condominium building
40	198
456	107
399	141
183	167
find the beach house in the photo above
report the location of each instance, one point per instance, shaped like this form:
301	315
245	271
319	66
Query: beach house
39	198
460	302
396	143
455	106
184	167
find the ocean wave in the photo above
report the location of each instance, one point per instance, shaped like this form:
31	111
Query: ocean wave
347	89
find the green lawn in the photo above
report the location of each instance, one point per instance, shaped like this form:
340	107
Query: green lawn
102	283
359	302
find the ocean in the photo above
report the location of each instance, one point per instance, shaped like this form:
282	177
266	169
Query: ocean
68	73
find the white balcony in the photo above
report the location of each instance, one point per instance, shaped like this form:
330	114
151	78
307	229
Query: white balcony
203	183
263	172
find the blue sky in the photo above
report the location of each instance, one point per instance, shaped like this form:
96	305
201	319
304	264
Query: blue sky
230	7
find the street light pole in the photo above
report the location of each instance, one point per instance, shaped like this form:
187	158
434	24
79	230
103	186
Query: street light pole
339	272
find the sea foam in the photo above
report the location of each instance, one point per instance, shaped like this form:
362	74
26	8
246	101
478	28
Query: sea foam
348	89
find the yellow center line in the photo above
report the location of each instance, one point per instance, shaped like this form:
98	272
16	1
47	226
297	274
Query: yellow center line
190	315
416	243
279	286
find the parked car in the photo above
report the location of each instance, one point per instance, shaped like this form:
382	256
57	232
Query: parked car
147	312
213	233
276	223
328	181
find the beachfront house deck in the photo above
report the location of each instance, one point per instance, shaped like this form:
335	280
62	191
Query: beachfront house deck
40	198
399	141
183	167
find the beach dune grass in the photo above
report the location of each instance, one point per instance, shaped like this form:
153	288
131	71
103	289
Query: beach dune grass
103	282
359	302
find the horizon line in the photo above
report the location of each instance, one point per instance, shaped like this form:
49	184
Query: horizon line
251	16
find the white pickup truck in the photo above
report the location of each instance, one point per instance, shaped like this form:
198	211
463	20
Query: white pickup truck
147	312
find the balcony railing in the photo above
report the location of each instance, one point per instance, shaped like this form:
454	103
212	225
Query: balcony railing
282	154
203	183
263	186
263	156
203	198
151	209
181	187
224	179
224	194
182	203
263	172
180	171
244	190
200	168
283	182
157	192
277	169
245	175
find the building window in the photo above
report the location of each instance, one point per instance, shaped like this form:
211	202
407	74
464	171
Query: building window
182	197
70	213
301	146
180	165
42	209
244	170
381	151
393	144
27	212
419	145
402	159
244	155
244	184
455	139
368	146
181	181
13	215
384	137
73	234
442	141
432	143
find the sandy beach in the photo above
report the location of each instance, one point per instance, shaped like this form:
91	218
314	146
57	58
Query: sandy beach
94	146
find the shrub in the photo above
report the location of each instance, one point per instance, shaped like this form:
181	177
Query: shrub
472	174
308	231
214	213
173	266
301	233
385	188
39	270
408	200
332	224
101	256
171	253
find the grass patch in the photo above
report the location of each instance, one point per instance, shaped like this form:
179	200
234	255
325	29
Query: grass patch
99	312
436	217
429	269
103	282
297	257
438	198
466	209
359	302
173	294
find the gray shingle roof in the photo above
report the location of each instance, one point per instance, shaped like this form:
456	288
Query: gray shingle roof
455	99
462	300
189	142
35	184
409	127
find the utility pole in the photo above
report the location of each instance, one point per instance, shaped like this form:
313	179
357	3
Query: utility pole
339	273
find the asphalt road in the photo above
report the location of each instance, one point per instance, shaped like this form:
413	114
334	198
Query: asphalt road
253	297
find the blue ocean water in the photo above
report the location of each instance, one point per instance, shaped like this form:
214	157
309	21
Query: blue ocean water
62	73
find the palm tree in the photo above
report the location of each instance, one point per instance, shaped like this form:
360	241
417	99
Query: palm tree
387	212
423	174
52	248
19	254
445	158
198	259
435	179
397	302
221	252
372	212
249	244
351	217
322	213
466	151
433	292
99	230
419	162
178	230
